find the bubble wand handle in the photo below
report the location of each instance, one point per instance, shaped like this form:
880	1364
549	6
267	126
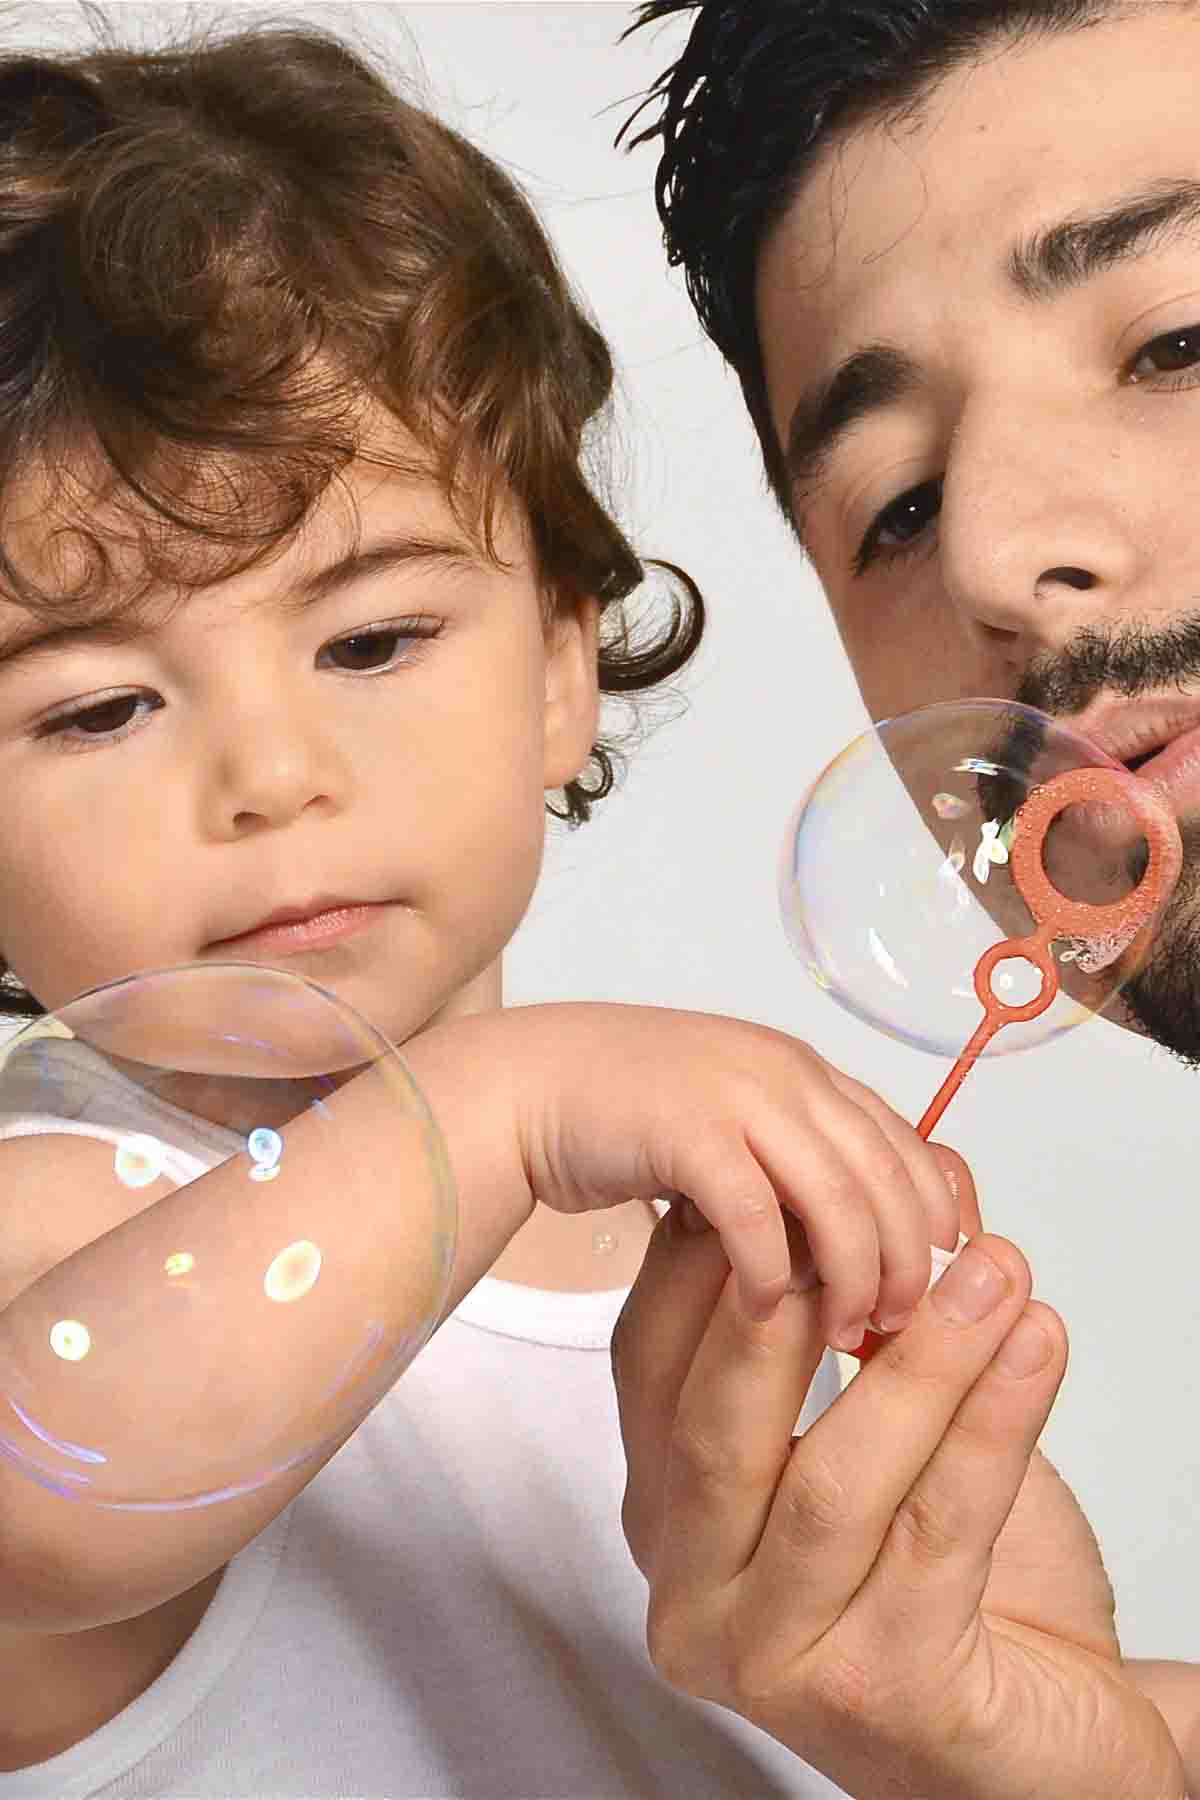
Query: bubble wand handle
996	1012
971	1053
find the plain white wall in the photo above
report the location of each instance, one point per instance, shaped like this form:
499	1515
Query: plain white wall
1084	1151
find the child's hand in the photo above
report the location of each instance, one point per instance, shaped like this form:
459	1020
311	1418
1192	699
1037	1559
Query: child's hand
616	1102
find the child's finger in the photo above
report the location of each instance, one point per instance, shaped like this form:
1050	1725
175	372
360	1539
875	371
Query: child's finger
863	1218
913	1207
927	1171
814	1174
898	1211
962	1186
717	1170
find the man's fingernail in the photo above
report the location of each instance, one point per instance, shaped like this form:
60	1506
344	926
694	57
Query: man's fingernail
1025	1350
971	1287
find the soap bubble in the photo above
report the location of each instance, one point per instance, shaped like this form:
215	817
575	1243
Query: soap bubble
899	874
235	1228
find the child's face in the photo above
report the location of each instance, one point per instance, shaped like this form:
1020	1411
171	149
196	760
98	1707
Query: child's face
388	743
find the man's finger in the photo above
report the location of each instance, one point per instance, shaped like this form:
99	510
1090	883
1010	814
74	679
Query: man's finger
661	1325
851	1474
730	1440
931	1573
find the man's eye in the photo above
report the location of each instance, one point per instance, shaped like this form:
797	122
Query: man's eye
1174	353
896	528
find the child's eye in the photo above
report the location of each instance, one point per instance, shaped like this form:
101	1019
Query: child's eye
1174	353
379	648
107	720
99	722
895	530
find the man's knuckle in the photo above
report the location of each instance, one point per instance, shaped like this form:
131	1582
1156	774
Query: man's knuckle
700	1458
931	1527
814	1501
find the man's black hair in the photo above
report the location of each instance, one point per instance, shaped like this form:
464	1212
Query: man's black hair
759	91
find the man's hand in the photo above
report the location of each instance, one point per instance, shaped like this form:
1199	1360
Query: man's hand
908	1596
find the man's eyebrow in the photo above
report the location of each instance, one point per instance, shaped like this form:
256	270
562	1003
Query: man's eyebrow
30	639
867	382
1041	267
1065	255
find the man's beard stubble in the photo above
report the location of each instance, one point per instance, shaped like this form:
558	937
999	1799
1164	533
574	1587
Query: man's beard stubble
1163	999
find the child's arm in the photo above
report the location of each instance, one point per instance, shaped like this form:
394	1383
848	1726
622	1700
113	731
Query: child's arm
578	1106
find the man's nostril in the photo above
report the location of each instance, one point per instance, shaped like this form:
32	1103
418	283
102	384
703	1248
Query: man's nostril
1068	577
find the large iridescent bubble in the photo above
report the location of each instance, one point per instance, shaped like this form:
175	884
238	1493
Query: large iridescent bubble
902	876
236	1228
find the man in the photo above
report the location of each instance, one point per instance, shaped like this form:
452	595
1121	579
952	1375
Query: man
952	250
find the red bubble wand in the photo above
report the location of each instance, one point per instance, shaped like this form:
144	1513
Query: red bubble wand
1056	917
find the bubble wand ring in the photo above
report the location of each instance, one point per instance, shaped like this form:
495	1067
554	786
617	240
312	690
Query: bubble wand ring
1057	916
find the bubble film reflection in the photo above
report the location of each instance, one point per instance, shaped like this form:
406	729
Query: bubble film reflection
900	875
250	1233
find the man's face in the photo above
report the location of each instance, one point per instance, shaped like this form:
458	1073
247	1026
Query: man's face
1002	495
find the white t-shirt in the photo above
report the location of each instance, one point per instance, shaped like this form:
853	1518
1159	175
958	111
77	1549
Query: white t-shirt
448	1610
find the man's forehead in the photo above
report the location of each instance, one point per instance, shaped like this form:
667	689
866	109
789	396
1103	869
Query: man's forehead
1027	135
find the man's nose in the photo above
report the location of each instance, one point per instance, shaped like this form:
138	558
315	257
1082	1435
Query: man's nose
1037	538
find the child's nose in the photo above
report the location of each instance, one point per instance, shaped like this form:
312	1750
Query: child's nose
267	769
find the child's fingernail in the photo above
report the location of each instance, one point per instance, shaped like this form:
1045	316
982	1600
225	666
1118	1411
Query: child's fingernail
850	1336
892	1321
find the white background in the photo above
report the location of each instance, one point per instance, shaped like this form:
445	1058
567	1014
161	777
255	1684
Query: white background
1085	1151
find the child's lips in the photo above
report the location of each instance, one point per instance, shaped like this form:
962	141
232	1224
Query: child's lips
287	931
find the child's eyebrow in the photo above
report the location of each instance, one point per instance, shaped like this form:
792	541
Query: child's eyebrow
30	638
390	552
